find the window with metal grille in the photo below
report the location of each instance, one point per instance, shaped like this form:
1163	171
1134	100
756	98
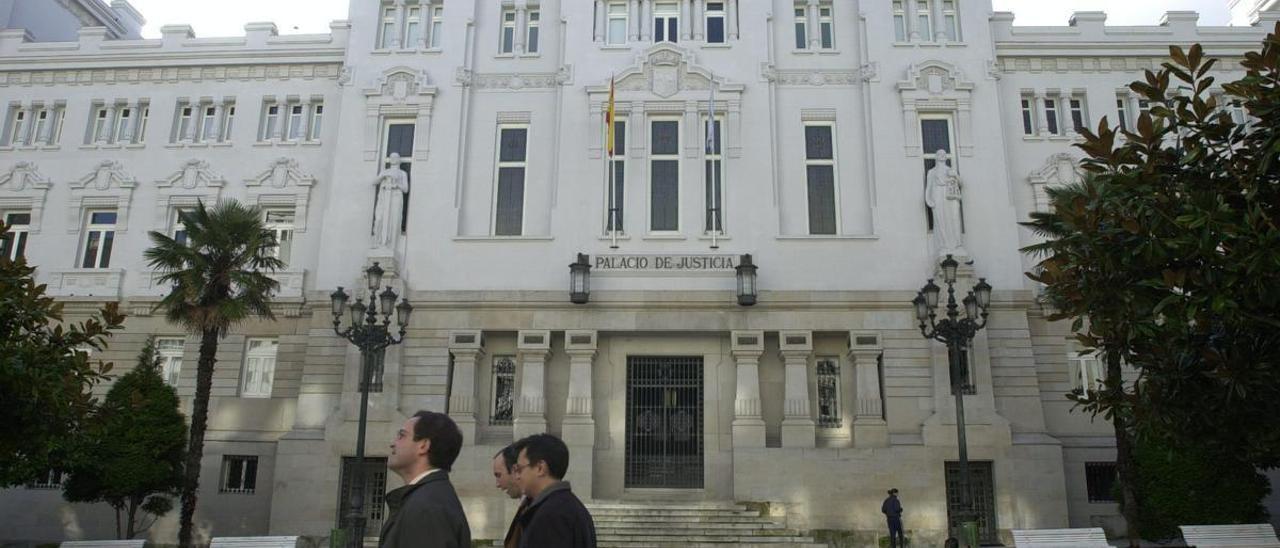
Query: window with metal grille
239	474
375	489
1100	481
664	426
828	369
982	498
504	387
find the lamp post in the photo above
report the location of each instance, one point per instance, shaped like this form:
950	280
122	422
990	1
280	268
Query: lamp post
955	332
371	336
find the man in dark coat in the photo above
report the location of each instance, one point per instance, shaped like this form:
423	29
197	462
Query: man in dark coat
555	517
892	510
425	512
504	479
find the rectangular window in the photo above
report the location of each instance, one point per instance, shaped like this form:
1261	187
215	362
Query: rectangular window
122	125
828	377
259	368
437	26
616	195
413	28
239	474
170	352
184	124
820	172
42	125
280	223
827	28
13	245
513	142
924	20
1087	372
272	120
1100	481
616	33
388	38
666	22
508	44
101	127
229	122
141	133
899	21
1028	116
1078	123
317	120
18	131
209	129
503	390
100	233
950	20
1051	116
532	36
50	479
178	230
1236	107
1122	113
1144	107
713	181
664	182
715	23
296	119
802	29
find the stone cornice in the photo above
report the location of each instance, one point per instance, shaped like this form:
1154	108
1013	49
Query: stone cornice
1100	64
170	75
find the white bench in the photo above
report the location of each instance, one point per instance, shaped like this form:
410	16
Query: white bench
1092	537
254	542
104	543
1254	535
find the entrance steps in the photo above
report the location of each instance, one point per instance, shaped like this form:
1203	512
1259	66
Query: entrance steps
689	525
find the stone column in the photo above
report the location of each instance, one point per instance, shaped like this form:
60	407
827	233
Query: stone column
633	20
939	27
282	119
467	348
602	19
424	24
646	20
579	427
1067	124
1041	116
913	24
815	33
693	140
522	28
798	428
639	127
748	424
686	20
398	14
532	350
698	29
869	426
51	119
217	123
731	14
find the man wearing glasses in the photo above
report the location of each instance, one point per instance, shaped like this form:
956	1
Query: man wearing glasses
555	517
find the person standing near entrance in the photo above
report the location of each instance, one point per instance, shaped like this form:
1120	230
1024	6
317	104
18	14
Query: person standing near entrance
504	479
555	517
425	512
892	510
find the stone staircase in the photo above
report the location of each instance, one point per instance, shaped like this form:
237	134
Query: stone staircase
689	525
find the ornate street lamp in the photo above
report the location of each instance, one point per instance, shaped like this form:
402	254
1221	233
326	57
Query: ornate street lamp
372	337
746	280
580	280
957	333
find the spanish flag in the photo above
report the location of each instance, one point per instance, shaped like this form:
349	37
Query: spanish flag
608	118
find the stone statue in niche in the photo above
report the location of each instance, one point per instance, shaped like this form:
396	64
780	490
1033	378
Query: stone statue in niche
943	194
392	184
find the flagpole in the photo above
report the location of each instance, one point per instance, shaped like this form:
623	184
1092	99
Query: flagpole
609	166
715	172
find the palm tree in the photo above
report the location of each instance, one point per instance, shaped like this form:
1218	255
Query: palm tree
218	281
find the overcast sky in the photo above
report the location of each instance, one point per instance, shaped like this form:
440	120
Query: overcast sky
312	16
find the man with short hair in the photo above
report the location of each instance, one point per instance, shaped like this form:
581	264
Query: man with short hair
503	462
425	512
892	510
555	517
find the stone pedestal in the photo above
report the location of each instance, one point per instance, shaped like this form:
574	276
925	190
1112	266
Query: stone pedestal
869	426
798	427
467	348
579	428
748	424
532	350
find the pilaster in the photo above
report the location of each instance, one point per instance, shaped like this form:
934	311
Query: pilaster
579	425
869	426
532	350
748	424
798	427
467	348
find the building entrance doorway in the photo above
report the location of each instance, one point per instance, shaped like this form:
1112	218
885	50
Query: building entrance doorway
982	485
664	422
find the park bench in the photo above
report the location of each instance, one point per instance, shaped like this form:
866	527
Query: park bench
1253	535
138	543
254	542
1092	537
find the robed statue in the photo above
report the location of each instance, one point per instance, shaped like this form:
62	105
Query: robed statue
392	184
943	194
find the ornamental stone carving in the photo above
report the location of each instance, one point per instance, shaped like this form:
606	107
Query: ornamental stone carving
1058	170
283	184
192	174
23	176
23	187
107	186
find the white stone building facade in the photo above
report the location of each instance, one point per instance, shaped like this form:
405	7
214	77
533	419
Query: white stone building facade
815	400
